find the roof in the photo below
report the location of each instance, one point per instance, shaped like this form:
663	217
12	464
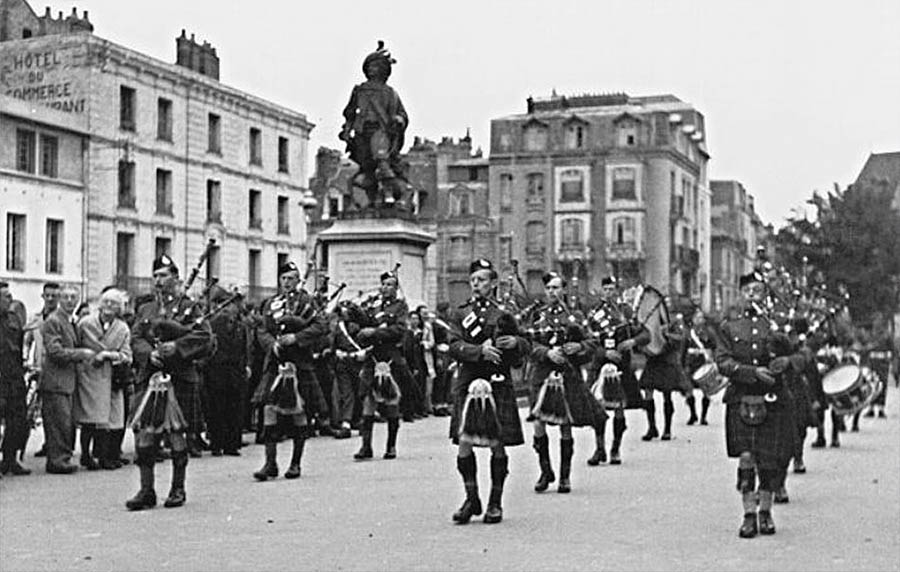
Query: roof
635	106
881	166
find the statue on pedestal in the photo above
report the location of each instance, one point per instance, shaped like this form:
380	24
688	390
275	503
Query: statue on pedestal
374	127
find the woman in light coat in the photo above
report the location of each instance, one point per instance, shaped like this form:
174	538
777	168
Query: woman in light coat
99	402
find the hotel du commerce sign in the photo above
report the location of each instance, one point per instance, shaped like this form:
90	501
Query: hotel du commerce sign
44	75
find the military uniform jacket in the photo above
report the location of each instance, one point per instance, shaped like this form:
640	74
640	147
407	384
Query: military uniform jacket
611	331
748	341
171	319
553	327
290	314
388	317
473	323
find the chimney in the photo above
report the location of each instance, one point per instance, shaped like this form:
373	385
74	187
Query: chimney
201	58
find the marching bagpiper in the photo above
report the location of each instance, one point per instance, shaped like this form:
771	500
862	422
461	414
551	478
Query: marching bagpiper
169	335
561	345
288	390
611	375
485	341
385	371
759	425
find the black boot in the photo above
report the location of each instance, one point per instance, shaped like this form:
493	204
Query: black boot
472	505
11	465
766	524
566	448
269	470
704	404
748	528
393	426
365	431
494	512
668	413
652	432
177	495
692	407
618	431
146	497
599	455
542	448
293	471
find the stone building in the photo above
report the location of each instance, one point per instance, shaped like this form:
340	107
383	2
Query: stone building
595	185
735	230
174	157
42	188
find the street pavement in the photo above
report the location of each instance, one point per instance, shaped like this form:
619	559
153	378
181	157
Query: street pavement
670	506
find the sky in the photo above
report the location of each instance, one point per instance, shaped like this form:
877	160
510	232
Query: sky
796	94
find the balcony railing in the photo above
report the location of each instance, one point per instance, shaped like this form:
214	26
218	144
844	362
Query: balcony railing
624	251
685	257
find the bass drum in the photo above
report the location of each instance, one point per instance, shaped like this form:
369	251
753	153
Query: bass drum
651	311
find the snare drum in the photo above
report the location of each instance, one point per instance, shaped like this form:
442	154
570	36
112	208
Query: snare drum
847	390
707	378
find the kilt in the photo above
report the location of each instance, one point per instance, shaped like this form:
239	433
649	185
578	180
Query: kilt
664	376
804	414
188	396
585	410
507	413
771	443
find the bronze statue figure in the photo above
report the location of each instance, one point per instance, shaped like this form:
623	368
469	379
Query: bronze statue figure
374	127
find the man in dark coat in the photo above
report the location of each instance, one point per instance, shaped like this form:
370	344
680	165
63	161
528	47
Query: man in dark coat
12	385
226	376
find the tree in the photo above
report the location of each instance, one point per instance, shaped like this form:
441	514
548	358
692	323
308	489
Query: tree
853	243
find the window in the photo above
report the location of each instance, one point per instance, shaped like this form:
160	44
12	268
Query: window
283	154
213	201
212	265
25	150
255	146
127	97
534	237
535	138
536	189
575	136
623	184
571	186
473	174
214	134
623	232
163	192
15	242
253	267
162	246
506	192
53	257
124	253
627	134
572	231
49	156
164	119
460	204
126	185
283	216
255	209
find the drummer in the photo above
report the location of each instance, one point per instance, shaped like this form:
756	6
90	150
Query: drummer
701	343
759	428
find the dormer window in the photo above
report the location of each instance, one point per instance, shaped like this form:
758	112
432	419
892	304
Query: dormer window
626	130
535	136
576	133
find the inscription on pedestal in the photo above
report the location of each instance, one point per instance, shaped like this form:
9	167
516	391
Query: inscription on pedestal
360	269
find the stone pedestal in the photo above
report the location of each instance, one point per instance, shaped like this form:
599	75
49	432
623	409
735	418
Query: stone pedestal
357	251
